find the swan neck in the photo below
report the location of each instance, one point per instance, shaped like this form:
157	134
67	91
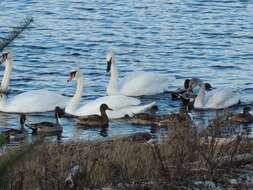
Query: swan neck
71	107
113	84
6	77
200	98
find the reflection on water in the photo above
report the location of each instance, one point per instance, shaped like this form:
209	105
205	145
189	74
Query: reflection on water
207	39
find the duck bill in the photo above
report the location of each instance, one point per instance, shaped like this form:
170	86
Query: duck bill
110	109
109	63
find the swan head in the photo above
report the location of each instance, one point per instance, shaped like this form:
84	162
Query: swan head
209	86
6	56
75	75
104	107
109	61
246	109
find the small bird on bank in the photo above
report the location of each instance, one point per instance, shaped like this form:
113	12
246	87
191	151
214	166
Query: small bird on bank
48	127
94	120
244	117
15	134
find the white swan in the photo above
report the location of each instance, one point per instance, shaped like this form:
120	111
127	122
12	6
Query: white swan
121	105
27	102
135	83
216	99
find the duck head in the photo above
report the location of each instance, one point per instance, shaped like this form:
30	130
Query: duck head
6	56
104	107
154	109
246	109
74	75
109	61
59	112
186	83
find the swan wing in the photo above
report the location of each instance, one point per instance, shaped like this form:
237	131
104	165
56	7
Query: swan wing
114	102
119	113
222	98
128	111
35	101
144	83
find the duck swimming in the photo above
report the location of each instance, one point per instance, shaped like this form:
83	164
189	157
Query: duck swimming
48	127
27	102
95	120
182	118
135	83
121	105
145	118
16	134
216	99
244	117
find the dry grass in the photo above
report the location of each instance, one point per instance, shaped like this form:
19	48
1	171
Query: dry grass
177	160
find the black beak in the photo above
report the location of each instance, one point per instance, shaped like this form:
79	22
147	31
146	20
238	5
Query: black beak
109	63
109	109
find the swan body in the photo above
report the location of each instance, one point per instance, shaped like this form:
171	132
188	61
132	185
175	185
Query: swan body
27	102
121	105
216	99
135	83
33	101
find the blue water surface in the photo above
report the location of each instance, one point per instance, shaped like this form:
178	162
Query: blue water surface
212	40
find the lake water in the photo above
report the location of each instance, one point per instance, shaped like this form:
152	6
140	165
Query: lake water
212	40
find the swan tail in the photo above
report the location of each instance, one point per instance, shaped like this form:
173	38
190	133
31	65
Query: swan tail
140	109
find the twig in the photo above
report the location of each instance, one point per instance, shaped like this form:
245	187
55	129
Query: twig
16	31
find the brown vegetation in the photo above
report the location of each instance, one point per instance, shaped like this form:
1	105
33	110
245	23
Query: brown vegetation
176	161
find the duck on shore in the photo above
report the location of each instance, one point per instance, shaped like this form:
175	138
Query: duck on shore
48	127
15	134
95	120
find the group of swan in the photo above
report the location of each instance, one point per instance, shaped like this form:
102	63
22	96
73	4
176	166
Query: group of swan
44	100
134	84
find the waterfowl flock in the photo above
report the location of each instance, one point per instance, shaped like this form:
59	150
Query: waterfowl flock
120	102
